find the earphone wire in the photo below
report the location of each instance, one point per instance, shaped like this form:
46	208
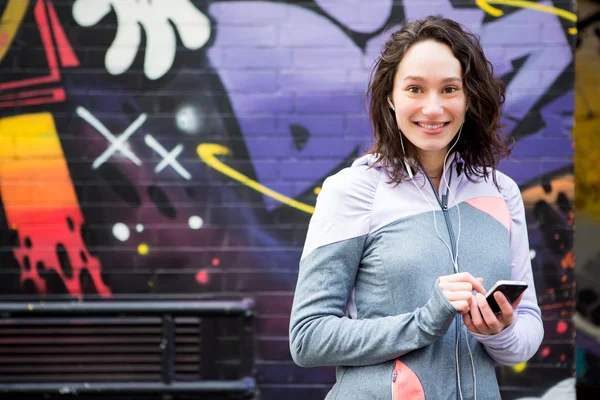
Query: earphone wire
456	269
454	258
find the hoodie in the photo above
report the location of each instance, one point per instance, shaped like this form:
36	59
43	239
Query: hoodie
367	299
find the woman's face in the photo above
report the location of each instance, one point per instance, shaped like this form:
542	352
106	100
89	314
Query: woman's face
428	97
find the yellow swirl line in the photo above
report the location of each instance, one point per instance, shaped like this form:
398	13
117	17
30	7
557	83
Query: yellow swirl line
485	6
208	152
10	22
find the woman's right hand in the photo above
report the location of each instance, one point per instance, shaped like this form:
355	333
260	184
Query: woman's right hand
458	289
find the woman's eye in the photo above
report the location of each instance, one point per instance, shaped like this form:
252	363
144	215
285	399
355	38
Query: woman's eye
414	89
450	90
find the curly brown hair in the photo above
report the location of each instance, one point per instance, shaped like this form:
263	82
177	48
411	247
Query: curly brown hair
481	145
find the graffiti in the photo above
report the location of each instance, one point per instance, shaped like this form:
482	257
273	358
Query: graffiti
207	153
53	40
485	6
116	144
47	217
155	17
193	168
168	158
308	95
9	23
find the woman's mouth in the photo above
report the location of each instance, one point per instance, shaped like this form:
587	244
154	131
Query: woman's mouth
431	128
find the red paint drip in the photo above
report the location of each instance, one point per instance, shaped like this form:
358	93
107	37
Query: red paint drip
46	231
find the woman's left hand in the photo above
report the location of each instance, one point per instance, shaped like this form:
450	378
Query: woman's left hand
481	319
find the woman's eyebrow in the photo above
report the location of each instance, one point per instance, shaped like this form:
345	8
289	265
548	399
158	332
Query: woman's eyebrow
419	78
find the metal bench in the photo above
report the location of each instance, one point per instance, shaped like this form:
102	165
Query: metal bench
142	347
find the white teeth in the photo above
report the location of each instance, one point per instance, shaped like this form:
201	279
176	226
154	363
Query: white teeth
430	126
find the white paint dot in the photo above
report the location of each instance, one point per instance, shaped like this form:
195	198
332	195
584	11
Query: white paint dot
188	119
195	222
532	254
121	231
139	228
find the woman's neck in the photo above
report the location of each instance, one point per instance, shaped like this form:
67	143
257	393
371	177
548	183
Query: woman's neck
433	163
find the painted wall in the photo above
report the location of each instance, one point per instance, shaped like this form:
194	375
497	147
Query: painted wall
178	149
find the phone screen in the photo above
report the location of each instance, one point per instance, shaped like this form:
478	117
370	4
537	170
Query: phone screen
512	292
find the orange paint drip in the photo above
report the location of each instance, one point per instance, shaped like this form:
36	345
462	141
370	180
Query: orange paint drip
40	201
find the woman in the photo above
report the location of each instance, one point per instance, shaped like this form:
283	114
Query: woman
401	240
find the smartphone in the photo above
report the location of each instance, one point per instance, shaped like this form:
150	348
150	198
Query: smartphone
511	289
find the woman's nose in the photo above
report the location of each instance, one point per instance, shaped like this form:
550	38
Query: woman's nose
433	108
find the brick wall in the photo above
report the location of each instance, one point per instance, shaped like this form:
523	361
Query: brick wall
177	150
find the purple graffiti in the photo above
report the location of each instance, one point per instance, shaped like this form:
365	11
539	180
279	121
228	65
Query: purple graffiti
303	94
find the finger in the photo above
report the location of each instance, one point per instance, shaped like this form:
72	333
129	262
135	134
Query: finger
467	277
456	296
456	286
504	304
515	304
469	323
462	306
478	285
488	315
477	319
460	277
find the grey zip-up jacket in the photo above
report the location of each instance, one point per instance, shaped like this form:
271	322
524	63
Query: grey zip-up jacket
367	299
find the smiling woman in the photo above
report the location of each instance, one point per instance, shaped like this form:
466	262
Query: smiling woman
384	294
432	73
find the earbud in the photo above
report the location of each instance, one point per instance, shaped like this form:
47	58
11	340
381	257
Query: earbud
391	104
408	169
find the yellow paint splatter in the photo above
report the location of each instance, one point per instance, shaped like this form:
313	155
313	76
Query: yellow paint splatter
519	367
485	6
143	249
317	190
208	152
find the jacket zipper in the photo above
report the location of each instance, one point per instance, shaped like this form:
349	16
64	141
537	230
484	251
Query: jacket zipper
394	391
444	206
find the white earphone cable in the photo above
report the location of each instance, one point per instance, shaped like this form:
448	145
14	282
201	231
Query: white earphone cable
453	257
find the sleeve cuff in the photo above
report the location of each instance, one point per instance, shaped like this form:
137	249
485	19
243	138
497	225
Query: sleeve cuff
437	315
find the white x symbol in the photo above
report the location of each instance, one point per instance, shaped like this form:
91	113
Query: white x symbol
169	158
116	144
